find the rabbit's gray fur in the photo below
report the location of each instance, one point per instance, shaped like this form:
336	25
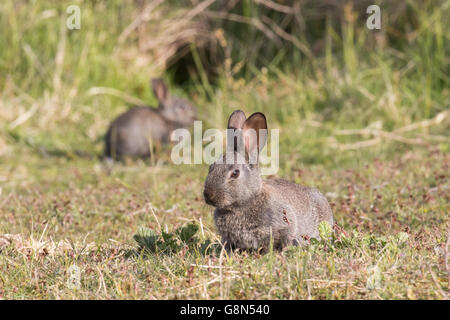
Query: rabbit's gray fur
249	210
130	133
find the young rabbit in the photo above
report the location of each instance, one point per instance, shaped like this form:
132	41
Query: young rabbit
130	133
249	210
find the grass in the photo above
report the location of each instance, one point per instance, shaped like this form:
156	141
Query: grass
75	213
366	122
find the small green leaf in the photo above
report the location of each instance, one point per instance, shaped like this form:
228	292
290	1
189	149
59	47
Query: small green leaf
187	232
325	230
147	239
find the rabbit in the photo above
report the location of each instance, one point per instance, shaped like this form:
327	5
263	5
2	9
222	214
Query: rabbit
130	133
249	211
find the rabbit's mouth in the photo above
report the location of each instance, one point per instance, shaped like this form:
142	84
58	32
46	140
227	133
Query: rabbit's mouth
215	200
208	198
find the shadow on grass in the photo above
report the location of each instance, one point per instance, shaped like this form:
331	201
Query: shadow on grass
167	243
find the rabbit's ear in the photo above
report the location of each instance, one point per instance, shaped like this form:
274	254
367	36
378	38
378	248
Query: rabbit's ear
255	133
160	89
236	120
234	131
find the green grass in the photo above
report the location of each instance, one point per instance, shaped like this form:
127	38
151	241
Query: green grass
92	215
60	205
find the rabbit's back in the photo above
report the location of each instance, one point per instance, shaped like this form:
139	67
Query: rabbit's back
130	133
308	205
282	210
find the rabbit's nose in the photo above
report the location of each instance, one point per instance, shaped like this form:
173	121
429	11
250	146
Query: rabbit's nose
207	197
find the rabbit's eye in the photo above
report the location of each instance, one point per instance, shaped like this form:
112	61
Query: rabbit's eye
235	174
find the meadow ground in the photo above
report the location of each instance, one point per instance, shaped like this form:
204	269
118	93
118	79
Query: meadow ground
365	119
61	212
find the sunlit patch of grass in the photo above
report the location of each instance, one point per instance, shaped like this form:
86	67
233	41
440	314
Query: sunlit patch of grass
390	242
365	122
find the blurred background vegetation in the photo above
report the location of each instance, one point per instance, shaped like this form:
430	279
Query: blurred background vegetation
336	89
